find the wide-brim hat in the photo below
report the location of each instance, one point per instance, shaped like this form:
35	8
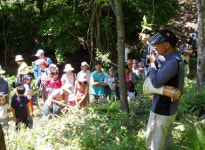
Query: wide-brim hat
2	71
39	52
67	87
72	98
84	63
18	58
112	69
27	77
53	65
82	77
68	67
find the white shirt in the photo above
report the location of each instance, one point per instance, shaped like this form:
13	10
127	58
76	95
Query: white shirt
69	79
111	82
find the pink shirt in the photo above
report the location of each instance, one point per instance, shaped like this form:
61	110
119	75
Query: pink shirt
52	85
56	95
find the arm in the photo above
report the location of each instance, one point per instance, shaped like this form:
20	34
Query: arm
167	71
14	115
36	84
75	88
36	71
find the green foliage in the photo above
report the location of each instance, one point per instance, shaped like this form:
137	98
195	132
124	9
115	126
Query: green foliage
145	25
192	100
104	57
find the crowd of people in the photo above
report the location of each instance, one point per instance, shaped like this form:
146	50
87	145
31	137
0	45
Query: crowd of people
163	67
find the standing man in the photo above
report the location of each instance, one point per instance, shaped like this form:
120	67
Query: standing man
170	73
98	79
84	67
40	55
4	87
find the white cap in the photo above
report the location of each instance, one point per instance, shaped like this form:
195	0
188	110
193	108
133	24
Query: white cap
18	58
84	63
39	52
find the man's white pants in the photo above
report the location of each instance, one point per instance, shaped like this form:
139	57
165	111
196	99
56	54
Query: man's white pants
159	131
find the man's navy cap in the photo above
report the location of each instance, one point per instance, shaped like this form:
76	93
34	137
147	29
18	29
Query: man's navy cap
159	38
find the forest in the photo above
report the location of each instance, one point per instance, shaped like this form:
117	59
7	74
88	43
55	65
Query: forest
72	31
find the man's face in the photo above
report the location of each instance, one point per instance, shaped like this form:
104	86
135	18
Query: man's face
84	68
41	57
98	67
162	48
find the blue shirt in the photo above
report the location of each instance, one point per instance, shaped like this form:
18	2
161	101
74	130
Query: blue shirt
19	104
4	87
98	89
166	75
36	70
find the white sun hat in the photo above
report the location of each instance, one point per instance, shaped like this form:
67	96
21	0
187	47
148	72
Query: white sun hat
1	71
82	77
18	58
68	67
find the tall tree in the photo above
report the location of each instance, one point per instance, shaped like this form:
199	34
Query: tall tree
201	43
121	54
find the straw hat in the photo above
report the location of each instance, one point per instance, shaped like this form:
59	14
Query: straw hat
1	71
18	58
82	77
68	67
84	63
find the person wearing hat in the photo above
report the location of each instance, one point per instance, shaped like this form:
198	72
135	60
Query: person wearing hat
4	86
28	93
84	69
81	90
40	55
111	83
52	67
53	103
171	73
98	80
184	47
185	56
69	77
135	67
23	67
43	76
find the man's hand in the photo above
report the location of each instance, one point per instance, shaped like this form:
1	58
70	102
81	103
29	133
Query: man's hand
143	39
152	58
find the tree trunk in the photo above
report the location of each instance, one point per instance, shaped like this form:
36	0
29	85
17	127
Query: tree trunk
2	141
98	16
201	43
121	55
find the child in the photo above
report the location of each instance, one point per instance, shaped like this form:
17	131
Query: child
42	78
52	67
53	83
21	107
69	77
4	109
186	68
81	90
28	93
111	82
